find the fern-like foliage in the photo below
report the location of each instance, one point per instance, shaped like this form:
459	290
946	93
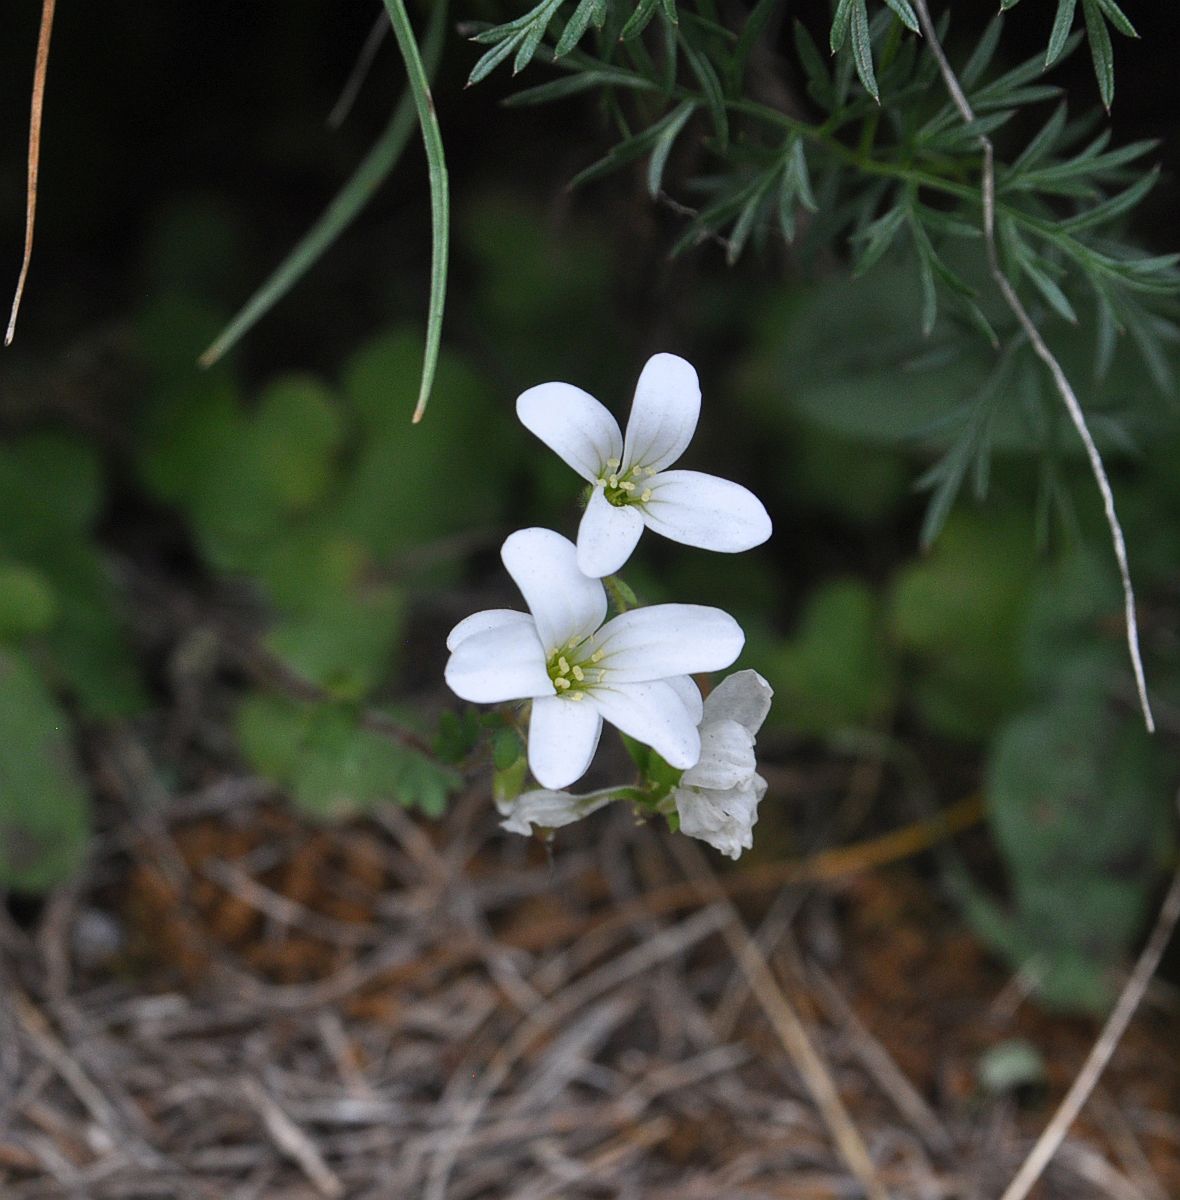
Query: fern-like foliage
1096	15
873	160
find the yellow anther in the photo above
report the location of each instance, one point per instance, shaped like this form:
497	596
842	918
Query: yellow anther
612	463
563	666
597	656
613	480
646	495
627	485
577	696
578	674
561	684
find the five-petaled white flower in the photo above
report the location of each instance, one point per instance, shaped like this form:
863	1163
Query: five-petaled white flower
717	799
631	488
632	671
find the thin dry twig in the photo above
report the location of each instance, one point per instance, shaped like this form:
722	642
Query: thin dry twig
1060	380
291	1140
1116	1025
786	1023
35	111
879	1063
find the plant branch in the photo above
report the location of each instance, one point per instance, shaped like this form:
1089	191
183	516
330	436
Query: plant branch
35	111
1116	1024
1042	351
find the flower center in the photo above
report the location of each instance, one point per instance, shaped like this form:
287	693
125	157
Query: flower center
627	488
573	670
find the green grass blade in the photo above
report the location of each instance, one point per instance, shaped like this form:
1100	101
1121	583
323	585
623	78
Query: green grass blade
439	196
376	167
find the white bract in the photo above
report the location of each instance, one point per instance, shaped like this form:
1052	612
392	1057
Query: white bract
631	488
578	671
717	799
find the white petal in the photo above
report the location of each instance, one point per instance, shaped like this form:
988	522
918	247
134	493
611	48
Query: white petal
505	663
550	810
702	510
690	695
606	536
563	735
743	697
480	622
724	819
727	757
651	713
573	425
566	604
667	639
663	414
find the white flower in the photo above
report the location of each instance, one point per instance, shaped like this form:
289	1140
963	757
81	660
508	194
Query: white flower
578	671
631	488
717	799
550	810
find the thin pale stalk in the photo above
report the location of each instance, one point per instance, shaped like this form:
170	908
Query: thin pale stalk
378	164
1133	991
35	111
1060	380
439	198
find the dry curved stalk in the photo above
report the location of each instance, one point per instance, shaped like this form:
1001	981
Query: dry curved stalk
35	110
1060	380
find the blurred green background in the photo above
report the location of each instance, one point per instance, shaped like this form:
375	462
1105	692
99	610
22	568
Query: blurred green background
273	537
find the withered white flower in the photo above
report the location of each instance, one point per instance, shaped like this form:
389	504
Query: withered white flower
631	487
548	809
717	798
578	671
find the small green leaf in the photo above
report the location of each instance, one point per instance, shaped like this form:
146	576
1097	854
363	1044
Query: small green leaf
702	68
819	81
27	601
926	260
44	807
840	20
639	20
862	48
1100	50
904	11
1062	24
835	671
670	128
587	11
298	431
346	644
334	767
877	238
457	735
982	55
1117	18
